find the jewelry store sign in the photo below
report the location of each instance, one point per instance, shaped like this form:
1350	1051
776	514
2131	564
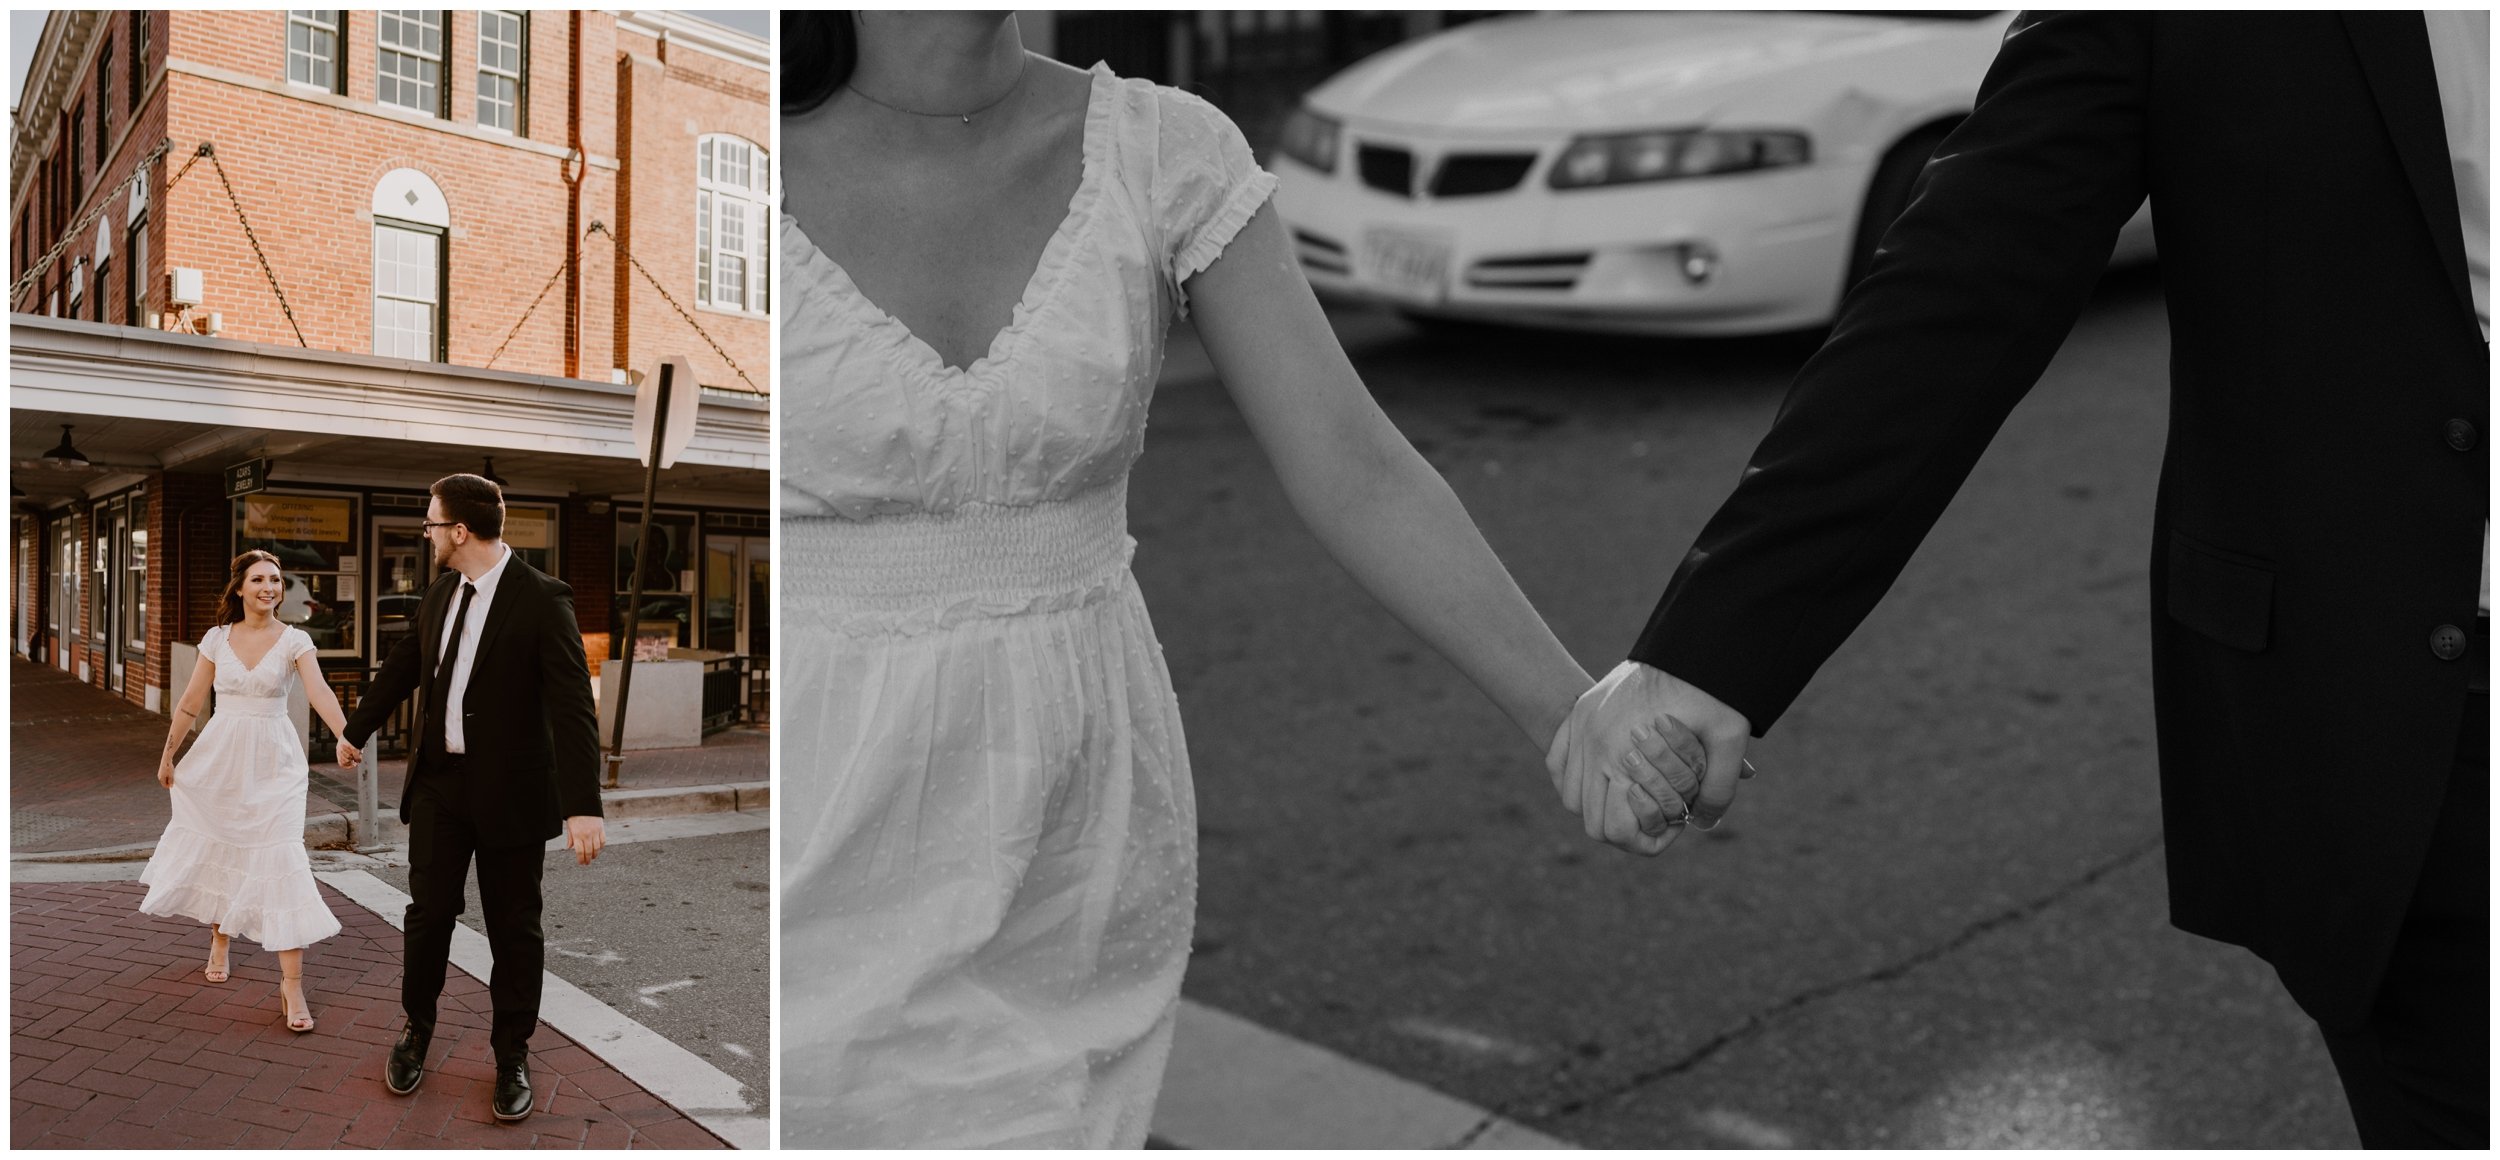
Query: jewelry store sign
297	518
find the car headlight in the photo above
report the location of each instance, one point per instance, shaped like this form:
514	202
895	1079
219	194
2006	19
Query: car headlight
1667	155
1311	139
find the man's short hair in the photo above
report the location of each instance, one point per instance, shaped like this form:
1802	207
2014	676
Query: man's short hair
473	500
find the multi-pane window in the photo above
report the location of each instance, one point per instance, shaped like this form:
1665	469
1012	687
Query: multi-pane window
500	70
77	160
104	100
407	291
312	49
410	71
733	185
138	59
135	275
77	286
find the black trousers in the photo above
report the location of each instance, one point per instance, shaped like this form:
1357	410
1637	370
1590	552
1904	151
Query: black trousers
441	841
2418	1073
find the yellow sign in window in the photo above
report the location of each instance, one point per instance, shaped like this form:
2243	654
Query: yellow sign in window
297	517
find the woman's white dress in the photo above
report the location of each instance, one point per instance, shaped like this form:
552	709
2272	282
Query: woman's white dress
234	852
989	853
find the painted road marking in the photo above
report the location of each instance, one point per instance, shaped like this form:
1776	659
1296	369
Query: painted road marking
705	1093
646	993
1235	1084
1467	1042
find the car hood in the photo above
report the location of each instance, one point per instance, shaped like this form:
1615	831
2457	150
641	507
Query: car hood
1628	70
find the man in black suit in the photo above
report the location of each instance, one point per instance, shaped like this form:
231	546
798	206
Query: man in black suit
2320	191
505	756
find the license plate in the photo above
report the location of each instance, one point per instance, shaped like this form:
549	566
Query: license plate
1410	265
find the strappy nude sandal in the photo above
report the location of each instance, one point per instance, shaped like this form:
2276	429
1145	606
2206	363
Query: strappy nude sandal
297	1021
215	972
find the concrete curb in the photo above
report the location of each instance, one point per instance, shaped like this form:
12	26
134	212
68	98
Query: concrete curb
338	831
1235	1084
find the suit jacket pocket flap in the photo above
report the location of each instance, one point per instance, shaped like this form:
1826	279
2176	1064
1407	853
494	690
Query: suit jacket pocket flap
2224	595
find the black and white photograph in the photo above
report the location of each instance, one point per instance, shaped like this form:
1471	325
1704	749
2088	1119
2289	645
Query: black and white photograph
1633	579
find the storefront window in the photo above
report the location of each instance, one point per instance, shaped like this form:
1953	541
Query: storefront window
530	531
313	537
668	574
135	577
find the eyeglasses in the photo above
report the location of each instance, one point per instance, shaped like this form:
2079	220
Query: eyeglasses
430	525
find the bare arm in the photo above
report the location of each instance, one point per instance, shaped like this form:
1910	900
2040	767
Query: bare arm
1378	507
194	697
319	695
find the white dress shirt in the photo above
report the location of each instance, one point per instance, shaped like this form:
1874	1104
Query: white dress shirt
454	740
2461	56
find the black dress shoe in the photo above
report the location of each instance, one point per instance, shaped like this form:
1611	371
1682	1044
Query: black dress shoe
513	1097
406	1068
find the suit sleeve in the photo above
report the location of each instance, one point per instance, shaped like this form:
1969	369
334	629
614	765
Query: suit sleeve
389	689
572	714
1968	297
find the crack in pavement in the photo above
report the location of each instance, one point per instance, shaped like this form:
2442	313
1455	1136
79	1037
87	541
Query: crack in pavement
1761	1020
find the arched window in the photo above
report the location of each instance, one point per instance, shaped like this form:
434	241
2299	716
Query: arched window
411	224
732	250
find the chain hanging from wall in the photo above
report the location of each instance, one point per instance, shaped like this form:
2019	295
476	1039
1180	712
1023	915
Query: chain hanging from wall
97	205
597	227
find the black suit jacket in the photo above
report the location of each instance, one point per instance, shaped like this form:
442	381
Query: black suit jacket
530	726
2323	494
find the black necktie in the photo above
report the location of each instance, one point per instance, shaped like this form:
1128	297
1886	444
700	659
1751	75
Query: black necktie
439	695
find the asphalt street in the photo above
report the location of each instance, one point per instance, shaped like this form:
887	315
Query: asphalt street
1936	919
674	934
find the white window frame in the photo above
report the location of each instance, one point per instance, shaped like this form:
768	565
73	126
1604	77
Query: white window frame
517	75
721	204
385	77
336	29
399	293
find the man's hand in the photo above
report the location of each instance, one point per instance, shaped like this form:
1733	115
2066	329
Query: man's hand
349	756
585	835
1642	724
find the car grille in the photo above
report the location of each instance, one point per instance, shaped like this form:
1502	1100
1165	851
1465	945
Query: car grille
1466	174
1321	253
1529	272
1386	168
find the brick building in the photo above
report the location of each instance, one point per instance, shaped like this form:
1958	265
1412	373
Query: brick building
274	272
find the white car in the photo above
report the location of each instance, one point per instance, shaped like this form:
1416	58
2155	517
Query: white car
1688	173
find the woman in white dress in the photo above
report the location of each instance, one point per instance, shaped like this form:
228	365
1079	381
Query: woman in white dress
233	856
989	866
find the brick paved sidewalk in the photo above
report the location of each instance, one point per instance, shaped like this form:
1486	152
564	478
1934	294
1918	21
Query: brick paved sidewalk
115	1041
82	766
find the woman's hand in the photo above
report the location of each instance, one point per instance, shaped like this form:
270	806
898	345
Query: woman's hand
165	772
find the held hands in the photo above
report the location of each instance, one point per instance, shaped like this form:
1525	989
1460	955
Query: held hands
1633	744
585	835
349	756
165	771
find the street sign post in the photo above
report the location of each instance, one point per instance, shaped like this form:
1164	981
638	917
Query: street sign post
663	421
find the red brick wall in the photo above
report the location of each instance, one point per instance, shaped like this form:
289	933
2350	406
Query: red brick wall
673	99
590	563
304	174
191	528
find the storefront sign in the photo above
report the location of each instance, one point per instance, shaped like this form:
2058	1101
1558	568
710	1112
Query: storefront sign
247	477
525	527
297	517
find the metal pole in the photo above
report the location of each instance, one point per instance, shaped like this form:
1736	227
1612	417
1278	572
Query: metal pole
633	602
368	795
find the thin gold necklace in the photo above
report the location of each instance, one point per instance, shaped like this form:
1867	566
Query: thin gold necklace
1023	62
